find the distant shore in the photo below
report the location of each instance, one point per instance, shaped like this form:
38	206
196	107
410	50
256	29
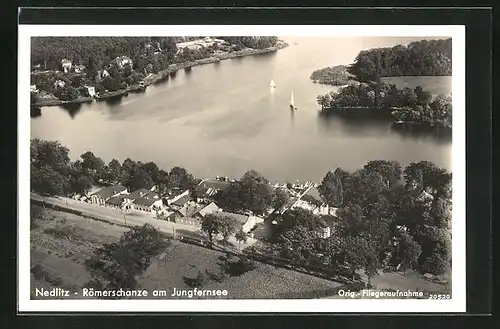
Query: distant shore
153	78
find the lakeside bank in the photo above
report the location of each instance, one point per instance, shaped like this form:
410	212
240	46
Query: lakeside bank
164	74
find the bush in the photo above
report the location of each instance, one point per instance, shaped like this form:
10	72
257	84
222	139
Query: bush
435	264
69	94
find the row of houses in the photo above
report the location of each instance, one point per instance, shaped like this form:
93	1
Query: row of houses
187	209
181	208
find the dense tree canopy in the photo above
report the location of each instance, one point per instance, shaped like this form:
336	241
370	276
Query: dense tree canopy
251	42
420	58
53	173
407	104
334	75
252	192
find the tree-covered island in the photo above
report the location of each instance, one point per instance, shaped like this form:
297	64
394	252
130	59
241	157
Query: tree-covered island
407	105
364	89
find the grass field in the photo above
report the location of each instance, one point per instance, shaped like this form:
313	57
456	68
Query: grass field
61	242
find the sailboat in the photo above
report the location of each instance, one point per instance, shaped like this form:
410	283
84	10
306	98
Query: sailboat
292	102
272	84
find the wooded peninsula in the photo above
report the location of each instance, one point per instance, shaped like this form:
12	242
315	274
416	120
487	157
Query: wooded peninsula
75	69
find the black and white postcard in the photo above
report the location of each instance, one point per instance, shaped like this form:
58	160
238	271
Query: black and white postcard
242	168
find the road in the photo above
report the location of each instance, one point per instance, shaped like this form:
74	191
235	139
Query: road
131	218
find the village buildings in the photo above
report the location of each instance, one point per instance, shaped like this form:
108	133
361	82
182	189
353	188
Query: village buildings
199	44
184	208
100	197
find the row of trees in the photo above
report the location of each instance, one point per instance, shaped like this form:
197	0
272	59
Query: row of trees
381	217
414	104
421	58
53	173
251	42
438	112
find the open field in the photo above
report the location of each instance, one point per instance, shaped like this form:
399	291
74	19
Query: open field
182	262
61	242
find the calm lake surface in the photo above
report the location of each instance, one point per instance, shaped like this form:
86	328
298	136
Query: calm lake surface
223	119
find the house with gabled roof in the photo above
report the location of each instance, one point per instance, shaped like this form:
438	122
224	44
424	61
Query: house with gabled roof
209	209
247	223
103	195
311	200
148	203
209	187
180	202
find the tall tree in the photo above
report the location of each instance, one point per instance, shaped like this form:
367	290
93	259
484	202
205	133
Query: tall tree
408	251
331	189
280	199
117	265
255	194
214	225
93	165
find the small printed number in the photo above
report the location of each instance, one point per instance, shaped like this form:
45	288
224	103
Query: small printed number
439	296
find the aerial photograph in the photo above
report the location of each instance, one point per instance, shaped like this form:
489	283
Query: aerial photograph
241	167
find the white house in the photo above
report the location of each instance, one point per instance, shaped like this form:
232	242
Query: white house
66	65
121	61
103	195
91	91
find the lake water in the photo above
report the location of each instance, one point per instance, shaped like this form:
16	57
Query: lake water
223	119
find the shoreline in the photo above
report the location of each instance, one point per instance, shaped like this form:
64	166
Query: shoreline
161	75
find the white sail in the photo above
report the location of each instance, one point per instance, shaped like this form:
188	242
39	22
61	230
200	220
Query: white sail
292	101
272	84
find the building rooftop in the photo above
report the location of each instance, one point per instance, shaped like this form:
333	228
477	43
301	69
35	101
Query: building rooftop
145	201
214	184
314	193
116	200
181	201
137	194
211	208
109	191
189	209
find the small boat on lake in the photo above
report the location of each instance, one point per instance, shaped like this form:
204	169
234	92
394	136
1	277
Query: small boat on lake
272	84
